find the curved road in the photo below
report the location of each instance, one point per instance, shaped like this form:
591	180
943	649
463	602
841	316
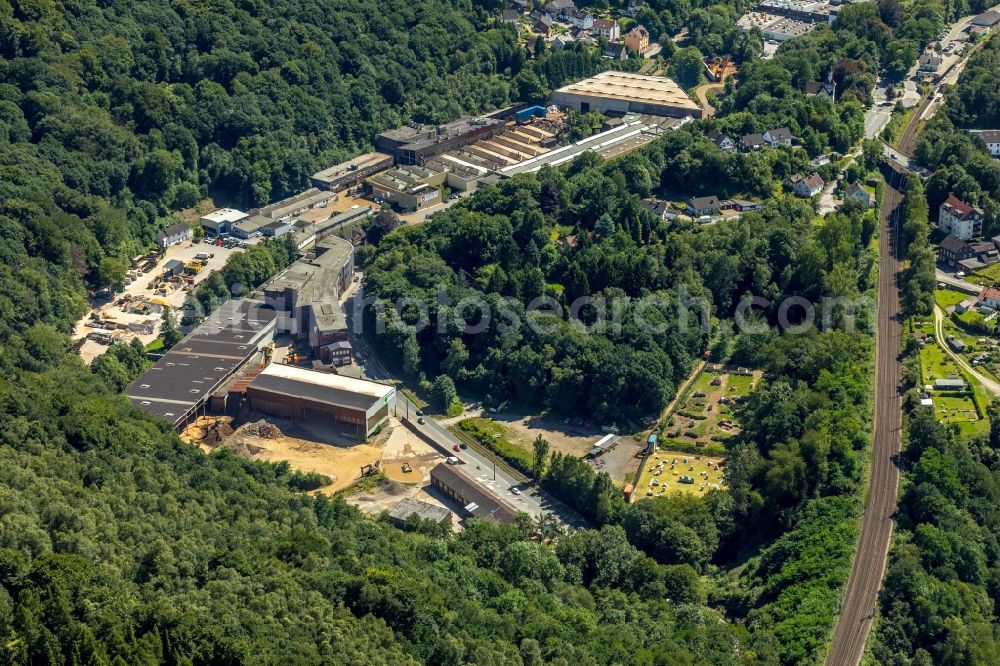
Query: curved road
858	604
988	383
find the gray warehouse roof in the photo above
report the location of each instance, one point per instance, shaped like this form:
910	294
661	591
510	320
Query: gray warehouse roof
197	365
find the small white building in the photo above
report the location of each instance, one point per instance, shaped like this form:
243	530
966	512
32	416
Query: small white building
991	138
174	234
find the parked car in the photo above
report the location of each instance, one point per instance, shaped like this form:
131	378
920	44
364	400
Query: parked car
456	448
421	421
515	491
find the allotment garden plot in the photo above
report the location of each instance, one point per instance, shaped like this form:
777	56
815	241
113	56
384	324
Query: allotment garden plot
946	387
706	416
670	472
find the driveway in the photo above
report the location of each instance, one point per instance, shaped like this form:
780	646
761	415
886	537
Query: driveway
990	385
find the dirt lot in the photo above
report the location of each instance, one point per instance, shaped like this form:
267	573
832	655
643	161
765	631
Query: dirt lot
565	438
316	449
403	446
622	462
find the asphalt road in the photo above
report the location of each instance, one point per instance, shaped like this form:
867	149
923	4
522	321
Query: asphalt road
858	604
496	479
957	283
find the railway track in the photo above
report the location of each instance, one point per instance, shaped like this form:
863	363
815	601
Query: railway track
861	594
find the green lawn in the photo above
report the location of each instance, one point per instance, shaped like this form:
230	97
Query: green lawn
945	298
741	383
988	276
936	364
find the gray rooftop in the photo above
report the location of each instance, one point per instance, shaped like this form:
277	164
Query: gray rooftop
408	507
198	364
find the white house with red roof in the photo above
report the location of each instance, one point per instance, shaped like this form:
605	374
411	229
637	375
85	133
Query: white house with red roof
959	218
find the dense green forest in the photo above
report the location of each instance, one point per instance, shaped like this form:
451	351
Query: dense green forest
580	232
120	545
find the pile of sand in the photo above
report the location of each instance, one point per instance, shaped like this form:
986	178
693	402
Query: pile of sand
261	429
241	448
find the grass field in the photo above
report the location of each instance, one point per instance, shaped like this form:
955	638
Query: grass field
665	468
988	276
945	298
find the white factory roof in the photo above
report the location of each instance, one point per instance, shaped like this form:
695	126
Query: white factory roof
225	215
328	380
632	87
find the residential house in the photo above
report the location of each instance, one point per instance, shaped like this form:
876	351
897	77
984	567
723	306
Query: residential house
174	234
543	25
826	89
560	7
965	306
929	63
990	297
959	218
809	186
616	51
957	253
583	37
856	192
510	16
637	40
951	250
579	18
750	142
779	136
561	42
698	206
991	138
660	209
721	140
607	28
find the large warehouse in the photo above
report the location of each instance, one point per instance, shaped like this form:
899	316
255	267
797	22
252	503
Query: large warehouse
297	393
624	92
178	386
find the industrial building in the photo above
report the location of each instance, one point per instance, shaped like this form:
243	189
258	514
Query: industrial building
281	211
408	187
222	221
474	500
631	133
625	92
297	393
306	296
414	144
180	384
352	172
310	233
